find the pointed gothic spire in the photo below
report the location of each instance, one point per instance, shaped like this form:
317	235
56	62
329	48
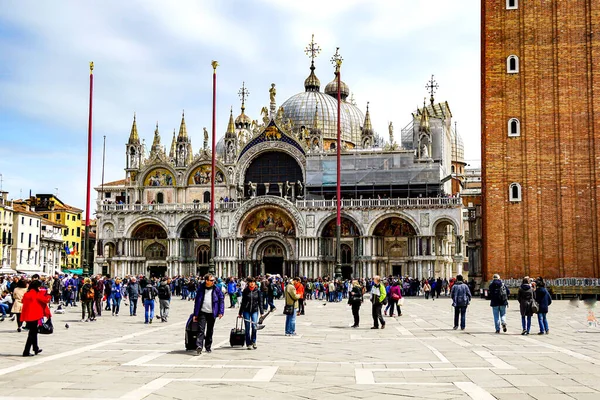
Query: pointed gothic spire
424	122
156	147
133	136
230	126
367	126
316	124
182	129
190	153
173	146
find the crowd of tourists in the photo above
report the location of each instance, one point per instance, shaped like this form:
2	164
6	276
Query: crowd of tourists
28	300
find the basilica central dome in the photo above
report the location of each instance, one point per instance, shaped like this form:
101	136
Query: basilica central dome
300	109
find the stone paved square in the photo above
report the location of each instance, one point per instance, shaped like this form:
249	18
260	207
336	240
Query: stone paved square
416	355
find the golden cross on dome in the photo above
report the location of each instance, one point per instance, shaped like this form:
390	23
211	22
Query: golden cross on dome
432	86
243	93
313	49
337	59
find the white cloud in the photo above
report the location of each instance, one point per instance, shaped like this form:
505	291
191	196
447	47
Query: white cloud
153	57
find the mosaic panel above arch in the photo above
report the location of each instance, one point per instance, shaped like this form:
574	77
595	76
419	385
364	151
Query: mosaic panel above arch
268	219
202	174
159	177
149	230
196	229
348	228
395	227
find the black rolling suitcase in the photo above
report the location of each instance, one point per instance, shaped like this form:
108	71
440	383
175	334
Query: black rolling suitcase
191	333
237	337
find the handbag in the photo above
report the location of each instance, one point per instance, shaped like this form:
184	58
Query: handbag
401	301
288	309
46	328
535	307
395	296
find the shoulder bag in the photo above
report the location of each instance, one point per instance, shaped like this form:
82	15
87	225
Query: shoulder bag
288	309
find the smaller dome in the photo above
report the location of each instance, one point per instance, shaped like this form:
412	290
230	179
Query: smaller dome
312	83
242	119
332	88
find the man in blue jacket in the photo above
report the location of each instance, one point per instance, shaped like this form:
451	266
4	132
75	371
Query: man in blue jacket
461	297
209	306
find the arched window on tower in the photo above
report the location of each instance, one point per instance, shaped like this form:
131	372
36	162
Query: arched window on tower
332	146
512	64
207	197
512	4
514	127
453	169
160	198
515	192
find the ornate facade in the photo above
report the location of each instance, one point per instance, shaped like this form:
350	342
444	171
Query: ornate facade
275	184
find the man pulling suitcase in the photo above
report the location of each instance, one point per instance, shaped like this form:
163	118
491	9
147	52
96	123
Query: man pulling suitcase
209	306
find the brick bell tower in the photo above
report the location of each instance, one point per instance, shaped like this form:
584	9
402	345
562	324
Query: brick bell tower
540	79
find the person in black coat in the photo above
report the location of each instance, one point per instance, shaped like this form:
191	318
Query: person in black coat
544	300
526	298
355	299
251	305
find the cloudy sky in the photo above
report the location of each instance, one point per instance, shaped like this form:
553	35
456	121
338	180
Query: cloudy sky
153	57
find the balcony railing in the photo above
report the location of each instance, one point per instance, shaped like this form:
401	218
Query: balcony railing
429	202
231	205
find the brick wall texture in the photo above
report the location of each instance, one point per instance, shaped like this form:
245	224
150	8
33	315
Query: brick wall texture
553	231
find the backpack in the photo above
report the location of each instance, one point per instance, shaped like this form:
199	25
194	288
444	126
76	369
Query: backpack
90	294
503	294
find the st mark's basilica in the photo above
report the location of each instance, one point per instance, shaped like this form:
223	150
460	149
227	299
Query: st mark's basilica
275	188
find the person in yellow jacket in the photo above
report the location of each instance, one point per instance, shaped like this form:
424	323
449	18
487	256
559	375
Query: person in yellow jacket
378	298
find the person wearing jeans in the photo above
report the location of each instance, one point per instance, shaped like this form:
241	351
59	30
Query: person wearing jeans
526	298
461	297
498	294
149	293
544	300
291	299
250	306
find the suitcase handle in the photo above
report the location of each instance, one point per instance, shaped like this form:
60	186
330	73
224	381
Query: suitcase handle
241	320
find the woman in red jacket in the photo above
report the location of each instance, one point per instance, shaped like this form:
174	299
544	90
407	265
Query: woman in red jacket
35	307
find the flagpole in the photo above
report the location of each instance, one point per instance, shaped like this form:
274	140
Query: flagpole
103	159
85	262
338	227
211	261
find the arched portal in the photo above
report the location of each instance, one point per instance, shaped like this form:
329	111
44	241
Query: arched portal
151	239
195	246
394	239
273	168
272	255
349	245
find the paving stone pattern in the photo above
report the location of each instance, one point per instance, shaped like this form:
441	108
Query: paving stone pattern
417	355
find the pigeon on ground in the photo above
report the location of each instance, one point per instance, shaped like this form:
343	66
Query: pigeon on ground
67	326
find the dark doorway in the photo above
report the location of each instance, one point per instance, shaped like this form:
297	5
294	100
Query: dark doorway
201	271
273	265
396	270
347	272
158	272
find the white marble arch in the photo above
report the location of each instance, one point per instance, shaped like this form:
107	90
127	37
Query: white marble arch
189	218
448	220
247	207
265	238
397	214
324	221
246	159
142	220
